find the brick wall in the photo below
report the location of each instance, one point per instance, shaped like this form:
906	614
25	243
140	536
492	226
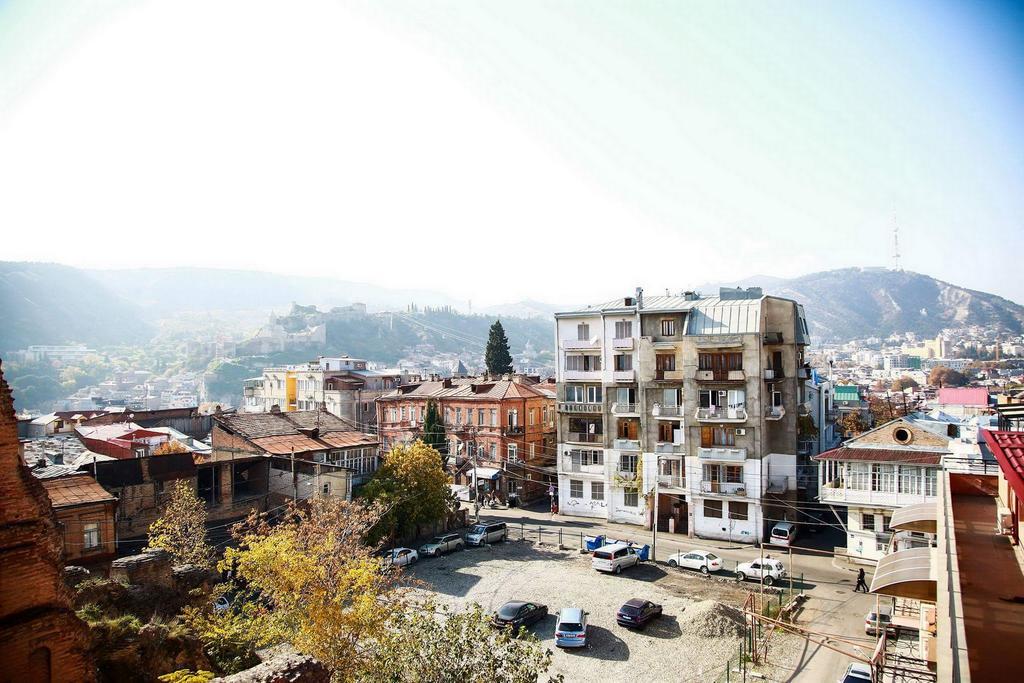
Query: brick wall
41	638
72	521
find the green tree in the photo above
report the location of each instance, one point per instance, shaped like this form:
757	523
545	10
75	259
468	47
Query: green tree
498	358
431	643
433	430
181	528
412	488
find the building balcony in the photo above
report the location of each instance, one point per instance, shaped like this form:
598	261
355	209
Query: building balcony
626	444
669	375
723	488
720	376
577	468
671	481
777	485
774	374
583	437
581	375
722	454
835	492
518	430
774	412
803	373
669	448
625	344
623	375
625	409
572	407
773	338
666	412
718	414
577	344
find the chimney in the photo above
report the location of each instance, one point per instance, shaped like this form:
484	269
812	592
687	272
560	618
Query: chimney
639	298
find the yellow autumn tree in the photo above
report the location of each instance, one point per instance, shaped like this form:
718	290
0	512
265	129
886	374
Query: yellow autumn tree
181	527
329	594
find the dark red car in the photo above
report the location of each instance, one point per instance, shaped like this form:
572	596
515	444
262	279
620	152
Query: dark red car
636	613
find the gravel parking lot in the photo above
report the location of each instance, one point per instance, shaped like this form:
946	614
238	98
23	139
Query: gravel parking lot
691	642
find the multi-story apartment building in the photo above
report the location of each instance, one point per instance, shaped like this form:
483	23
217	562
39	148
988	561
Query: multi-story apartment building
500	431
693	399
344	386
892	466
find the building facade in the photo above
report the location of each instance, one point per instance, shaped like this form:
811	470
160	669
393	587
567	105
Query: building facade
499	433
693	399
85	517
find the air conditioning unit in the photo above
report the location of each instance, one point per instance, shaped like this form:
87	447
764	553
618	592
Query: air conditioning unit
1005	522
412	423
741	432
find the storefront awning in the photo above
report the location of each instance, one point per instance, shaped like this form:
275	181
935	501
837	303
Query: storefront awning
485	472
921	517
907	574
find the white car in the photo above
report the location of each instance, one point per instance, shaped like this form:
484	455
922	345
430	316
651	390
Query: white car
440	545
701	560
613	558
400	557
767	570
857	673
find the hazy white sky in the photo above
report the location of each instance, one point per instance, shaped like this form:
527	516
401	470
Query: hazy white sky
566	151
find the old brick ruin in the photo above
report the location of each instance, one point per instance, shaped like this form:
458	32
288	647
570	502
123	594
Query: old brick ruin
41	639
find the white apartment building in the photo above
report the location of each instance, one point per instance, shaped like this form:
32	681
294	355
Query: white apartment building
889	467
690	398
342	386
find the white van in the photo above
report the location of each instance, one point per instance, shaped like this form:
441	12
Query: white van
613	558
783	534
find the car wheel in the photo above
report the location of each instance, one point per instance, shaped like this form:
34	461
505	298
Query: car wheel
704	570
437	553
740	576
618	569
460	547
768	580
673	563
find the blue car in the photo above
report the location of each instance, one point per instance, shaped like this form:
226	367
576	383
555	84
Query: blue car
571	629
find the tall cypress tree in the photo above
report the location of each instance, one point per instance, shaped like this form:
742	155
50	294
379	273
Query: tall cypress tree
433	430
498	358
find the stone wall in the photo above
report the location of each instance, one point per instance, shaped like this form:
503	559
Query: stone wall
152	567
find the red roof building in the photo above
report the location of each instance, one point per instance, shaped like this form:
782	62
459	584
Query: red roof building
1008	449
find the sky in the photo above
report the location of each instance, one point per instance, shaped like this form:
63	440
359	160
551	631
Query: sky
561	151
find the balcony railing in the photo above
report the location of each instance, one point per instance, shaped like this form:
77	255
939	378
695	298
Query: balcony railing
774	412
581	375
772	337
570	344
626	444
574	407
722	454
720	376
624	344
569	465
584	437
831	492
660	410
668	447
672	481
623	375
624	408
669	375
726	488
518	429
772	374
781	484
719	414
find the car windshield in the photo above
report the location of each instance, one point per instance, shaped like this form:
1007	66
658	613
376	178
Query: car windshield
437	539
602	556
478	529
509	611
874	617
630	609
781	533
566	626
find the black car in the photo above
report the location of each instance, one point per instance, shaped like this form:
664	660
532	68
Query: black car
519	613
636	613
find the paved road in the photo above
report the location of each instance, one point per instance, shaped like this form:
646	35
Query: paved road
833	608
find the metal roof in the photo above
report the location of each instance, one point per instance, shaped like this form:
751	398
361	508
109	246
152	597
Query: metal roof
907	574
714	315
919	517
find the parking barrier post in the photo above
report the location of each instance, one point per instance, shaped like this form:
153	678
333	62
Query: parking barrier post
559	537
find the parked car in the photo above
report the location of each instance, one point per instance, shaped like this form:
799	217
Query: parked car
767	570
440	545
783	533
857	673
400	557
636	613
481	534
701	560
518	613
571	628
222	603
883	619
614	558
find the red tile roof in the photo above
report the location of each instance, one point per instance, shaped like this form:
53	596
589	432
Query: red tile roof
80	489
966	396
896	455
1008	447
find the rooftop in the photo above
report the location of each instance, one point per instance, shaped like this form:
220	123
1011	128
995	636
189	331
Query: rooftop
299	431
471	388
79	489
975	397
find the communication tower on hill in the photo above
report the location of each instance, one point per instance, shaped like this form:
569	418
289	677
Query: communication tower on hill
896	244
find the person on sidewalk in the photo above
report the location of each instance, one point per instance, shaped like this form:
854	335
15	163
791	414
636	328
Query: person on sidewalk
860	581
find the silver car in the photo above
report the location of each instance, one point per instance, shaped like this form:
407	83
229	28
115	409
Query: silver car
439	545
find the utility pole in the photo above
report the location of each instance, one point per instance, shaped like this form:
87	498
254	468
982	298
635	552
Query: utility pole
654	522
476	488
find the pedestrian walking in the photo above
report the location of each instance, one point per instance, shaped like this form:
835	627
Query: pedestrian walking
860	581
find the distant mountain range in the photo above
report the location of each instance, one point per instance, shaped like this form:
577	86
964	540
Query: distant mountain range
52	304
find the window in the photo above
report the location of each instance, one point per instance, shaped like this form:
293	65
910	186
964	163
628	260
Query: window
867	522
494	451
582	362
711	437
469	416
902	435
886	519
623	329
533	416
738	511
733	474
668	327
447	415
628	463
480	416
671	397
665	362
720	363
594	394
712	508
631	498
623	362
326	489
403	413
583	332
513	418
513	453
586	457
628	428
597	490
575	488
458	416
533	451
625	396
91	535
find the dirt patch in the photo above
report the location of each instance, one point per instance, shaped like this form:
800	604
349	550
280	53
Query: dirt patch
712	619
